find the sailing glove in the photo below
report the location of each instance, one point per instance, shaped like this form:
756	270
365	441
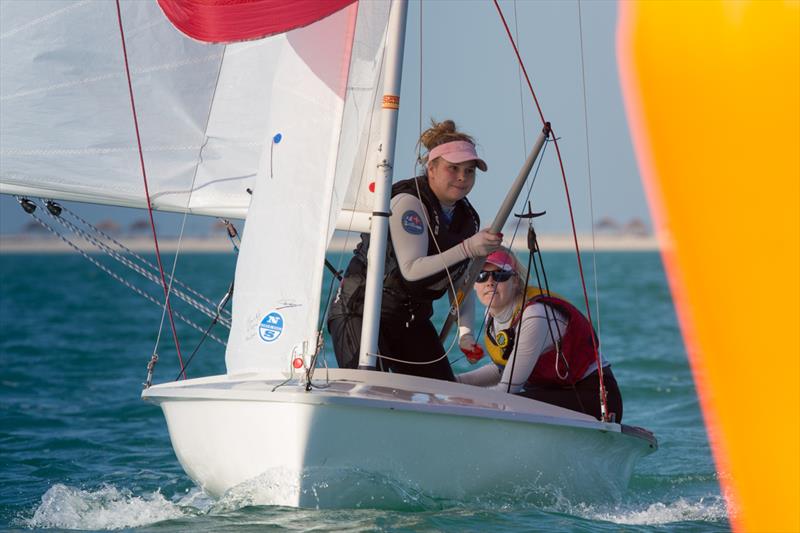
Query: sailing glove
471	349
482	243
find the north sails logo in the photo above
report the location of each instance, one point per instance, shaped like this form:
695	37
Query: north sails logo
271	327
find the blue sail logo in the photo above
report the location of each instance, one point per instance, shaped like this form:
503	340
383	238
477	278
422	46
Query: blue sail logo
271	327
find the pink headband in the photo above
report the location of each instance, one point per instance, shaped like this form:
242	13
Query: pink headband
457	152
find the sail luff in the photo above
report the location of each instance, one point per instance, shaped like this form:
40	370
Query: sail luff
315	131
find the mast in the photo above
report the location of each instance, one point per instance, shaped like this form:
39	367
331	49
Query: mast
379	230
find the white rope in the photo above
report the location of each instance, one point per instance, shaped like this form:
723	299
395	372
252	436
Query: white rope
409	362
589	172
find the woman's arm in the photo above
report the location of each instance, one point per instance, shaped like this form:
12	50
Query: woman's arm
409	230
485	376
533	340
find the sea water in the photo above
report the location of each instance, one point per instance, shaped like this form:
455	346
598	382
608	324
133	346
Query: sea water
80	450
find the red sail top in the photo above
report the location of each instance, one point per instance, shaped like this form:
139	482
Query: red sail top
224	21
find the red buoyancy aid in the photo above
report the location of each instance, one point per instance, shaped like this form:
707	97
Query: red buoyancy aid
576	346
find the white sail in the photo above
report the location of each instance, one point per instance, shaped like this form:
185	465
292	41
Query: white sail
66	127
324	80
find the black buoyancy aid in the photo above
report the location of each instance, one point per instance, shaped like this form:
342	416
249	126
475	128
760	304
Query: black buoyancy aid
576	345
399	293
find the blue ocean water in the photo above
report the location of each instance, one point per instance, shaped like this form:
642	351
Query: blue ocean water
81	451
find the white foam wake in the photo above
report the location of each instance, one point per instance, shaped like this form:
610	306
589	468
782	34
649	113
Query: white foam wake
710	509
106	508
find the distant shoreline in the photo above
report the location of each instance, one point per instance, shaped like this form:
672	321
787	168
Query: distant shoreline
39	244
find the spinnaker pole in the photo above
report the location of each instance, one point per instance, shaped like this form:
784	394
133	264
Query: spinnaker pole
379	229
497	226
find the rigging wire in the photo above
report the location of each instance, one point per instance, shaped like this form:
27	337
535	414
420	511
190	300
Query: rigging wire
419	123
589	171
123	250
207	332
455	304
136	268
320	346
521	92
113	274
516	229
167	305
603	402
180	240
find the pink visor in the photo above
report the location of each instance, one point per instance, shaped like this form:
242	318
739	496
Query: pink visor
457	152
501	260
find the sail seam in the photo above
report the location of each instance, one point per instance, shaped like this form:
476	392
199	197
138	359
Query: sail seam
95	79
44	18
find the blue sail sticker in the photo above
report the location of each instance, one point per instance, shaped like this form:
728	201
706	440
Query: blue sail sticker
271	327
412	222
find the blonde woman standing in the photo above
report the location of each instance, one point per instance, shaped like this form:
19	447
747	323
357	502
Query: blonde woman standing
433	232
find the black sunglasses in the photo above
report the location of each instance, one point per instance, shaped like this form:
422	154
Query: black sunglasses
499	276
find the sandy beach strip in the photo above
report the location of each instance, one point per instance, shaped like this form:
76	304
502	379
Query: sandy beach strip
220	244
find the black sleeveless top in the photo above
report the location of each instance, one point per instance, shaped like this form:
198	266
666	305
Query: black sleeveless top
400	295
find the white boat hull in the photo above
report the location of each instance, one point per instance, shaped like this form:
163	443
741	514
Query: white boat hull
442	440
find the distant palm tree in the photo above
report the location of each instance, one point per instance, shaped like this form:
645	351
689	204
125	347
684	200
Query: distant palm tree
108	226
607	224
139	226
637	227
33	227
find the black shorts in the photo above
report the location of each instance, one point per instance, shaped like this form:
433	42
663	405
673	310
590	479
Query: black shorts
584	397
412	342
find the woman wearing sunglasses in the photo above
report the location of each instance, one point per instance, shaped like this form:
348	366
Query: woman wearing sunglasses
541	345
433	232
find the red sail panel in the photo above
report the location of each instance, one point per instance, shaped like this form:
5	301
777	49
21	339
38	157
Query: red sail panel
225	21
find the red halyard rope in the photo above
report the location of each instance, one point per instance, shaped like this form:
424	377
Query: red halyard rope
569	205
147	193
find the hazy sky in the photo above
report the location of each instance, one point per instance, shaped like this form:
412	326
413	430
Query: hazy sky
470	74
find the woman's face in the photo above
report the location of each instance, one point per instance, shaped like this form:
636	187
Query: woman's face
496	295
451	182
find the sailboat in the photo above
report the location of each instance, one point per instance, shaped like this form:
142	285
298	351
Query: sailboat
292	128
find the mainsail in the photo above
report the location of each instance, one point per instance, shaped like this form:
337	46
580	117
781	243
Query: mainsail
67	130
287	122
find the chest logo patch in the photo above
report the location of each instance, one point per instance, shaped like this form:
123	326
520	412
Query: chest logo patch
412	222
